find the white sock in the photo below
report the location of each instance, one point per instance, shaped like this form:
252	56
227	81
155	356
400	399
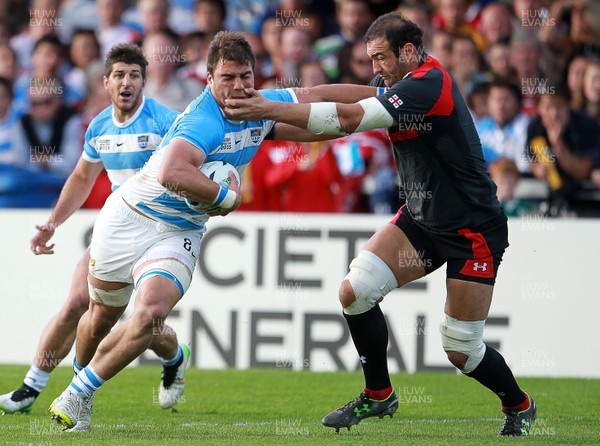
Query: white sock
36	378
86	382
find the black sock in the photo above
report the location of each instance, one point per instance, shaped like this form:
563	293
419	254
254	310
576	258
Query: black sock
370	335
494	374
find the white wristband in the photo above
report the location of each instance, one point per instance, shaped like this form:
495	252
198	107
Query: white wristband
229	200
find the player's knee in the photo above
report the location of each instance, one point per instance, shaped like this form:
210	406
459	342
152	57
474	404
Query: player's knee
457	359
103	318
150	316
463	342
77	303
346	294
368	281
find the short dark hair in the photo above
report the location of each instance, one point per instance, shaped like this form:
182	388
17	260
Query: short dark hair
507	84
218	3
49	39
128	53
229	45
556	88
397	30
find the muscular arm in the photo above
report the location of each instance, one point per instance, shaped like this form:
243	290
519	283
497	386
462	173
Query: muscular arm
179	173
344	93
287	132
76	190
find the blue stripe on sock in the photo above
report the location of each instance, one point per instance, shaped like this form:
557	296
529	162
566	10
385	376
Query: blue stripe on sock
175	359
77	389
77	366
88	388
92	377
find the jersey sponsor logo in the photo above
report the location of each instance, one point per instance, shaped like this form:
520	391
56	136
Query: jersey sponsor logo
102	144
226	146
395	101
119	144
143	141
255	134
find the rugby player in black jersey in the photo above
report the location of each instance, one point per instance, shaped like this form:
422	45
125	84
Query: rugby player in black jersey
457	221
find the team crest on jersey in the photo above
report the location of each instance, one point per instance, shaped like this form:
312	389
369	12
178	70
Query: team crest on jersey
102	144
395	101
255	134
143	141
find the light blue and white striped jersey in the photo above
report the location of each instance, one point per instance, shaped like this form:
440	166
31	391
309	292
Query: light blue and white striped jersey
124	147
203	125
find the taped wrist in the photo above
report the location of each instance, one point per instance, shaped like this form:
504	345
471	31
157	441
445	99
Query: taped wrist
324	119
225	199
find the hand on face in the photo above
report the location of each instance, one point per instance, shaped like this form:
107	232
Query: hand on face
252	107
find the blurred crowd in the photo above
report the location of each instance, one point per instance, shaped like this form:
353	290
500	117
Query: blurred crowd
529	70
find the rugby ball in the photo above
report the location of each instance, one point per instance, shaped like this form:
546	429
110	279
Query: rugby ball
218	171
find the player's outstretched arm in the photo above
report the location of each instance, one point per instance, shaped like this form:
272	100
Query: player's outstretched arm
343	93
328	118
76	190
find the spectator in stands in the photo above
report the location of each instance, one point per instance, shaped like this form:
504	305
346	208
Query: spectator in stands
270	34
421	15
162	51
42	20
353	18
356	66
526	53
76	14
111	30
46	61
498	59
450	15
504	133
210	16
247	15
441	47
194	51
19	185
465	64
154	15
574	76
84	49
11	154
570	26
495	24
296	49
52	134
261	77
506	175
312	73
588	95
564	145
305	171
10	70
477	101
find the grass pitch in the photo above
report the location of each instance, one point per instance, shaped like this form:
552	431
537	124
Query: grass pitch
284	407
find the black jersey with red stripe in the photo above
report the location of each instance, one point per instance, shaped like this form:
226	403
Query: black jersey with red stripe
443	176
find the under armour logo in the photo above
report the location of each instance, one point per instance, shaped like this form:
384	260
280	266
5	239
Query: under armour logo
363	359
477	266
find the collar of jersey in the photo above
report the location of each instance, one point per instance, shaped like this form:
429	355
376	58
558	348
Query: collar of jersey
130	120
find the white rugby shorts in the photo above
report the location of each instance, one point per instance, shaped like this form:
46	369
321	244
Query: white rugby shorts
123	240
